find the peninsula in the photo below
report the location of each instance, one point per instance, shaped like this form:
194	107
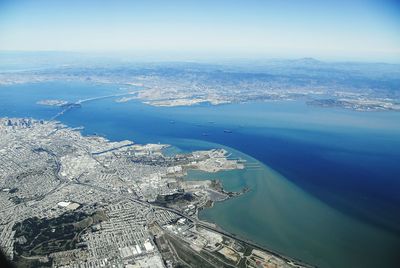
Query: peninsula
84	201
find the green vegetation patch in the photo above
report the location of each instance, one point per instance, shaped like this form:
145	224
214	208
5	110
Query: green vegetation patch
44	236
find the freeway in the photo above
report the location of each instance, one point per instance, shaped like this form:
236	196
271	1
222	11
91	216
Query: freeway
209	226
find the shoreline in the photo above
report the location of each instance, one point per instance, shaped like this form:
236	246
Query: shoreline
209	225
41	130
194	144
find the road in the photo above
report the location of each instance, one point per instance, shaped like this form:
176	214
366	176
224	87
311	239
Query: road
211	227
79	102
208	226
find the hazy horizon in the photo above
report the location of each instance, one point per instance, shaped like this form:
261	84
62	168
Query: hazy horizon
173	56
366	31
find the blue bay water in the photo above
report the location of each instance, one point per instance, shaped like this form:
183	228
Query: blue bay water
326	189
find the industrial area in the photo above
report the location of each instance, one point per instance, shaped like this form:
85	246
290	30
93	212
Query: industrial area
68	200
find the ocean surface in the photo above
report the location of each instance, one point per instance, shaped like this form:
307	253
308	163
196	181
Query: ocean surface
324	182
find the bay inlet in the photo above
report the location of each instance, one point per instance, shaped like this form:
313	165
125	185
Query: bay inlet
324	183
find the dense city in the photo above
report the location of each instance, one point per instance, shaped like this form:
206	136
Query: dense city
69	200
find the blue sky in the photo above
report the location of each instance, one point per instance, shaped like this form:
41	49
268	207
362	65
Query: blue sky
367	30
